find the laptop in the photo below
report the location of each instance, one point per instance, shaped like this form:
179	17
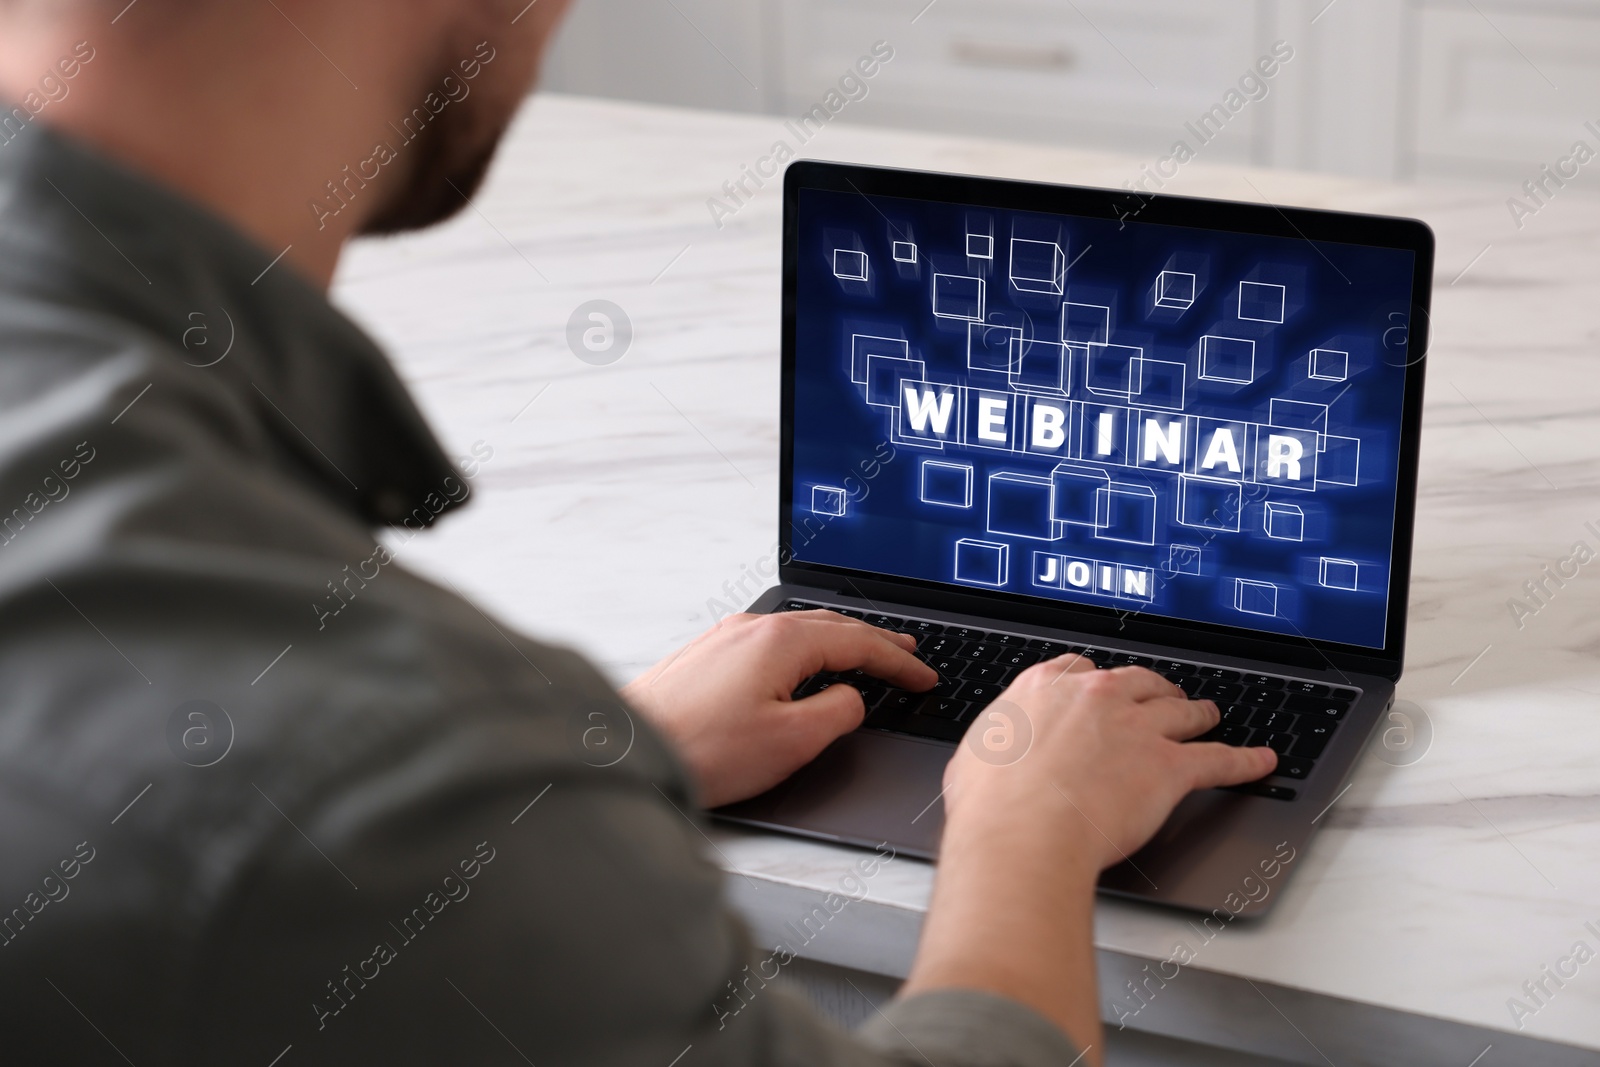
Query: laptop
1022	420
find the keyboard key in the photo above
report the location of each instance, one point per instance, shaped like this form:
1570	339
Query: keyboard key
1221	692
885	622
1172	667
908	722
795	605
1009	640
1047	648
1292	767
1257	697
1310	689
923	626
1019	658
987	672
1261	789
1278	742
1190	684
967	633
1237	736
872	694
1317	706
850	613
1131	659
979	693
898	701
943	708
1313	735
948	666
1322	728
1278	722
1221	674
1346	695
1309	747
1237	715
982	653
939	645
1262	681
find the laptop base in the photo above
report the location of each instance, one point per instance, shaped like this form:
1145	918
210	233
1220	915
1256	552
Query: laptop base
1220	851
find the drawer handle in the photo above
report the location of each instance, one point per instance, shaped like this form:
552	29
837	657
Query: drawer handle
1014	56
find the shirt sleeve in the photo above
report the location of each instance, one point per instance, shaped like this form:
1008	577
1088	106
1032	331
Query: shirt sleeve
458	904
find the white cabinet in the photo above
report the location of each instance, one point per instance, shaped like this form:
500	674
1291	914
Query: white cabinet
1100	72
694	53
1502	88
1381	88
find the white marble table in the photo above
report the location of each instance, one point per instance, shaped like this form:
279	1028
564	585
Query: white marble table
622	500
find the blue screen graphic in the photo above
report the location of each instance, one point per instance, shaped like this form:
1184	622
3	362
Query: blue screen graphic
1155	419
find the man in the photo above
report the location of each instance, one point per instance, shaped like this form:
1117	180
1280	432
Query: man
267	798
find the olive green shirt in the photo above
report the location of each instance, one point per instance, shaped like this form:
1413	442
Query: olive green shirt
265	796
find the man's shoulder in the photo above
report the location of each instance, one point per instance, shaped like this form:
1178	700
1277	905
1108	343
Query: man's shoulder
203	648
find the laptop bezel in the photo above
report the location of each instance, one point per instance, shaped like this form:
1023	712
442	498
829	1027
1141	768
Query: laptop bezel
1117	205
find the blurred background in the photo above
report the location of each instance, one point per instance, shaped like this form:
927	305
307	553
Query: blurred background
1392	89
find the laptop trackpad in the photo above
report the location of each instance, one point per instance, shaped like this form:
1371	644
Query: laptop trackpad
866	788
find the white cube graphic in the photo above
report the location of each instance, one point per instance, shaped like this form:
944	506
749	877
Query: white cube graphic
1184	559
827	500
1255	598
956	296
1227	359
851	266
1330	365
1261	301
1175	289
1083	324
1338	573
982	562
946	484
1038	266
1285	522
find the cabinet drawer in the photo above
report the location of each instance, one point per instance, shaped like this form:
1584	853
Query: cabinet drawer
1488	103
1123	74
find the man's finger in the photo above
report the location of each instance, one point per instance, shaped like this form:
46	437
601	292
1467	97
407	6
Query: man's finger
846	648
821	718
1180	718
907	641
1211	763
1142	683
1061	666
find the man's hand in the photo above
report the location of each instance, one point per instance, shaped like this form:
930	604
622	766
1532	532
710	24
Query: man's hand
1109	743
1096	762
724	699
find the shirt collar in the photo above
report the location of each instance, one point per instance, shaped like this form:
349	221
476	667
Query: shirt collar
82	230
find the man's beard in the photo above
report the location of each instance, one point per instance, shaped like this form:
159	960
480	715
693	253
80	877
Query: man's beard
448	163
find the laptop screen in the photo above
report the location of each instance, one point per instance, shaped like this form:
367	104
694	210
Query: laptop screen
1183	423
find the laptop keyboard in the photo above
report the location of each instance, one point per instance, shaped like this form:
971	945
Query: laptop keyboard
1294	717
